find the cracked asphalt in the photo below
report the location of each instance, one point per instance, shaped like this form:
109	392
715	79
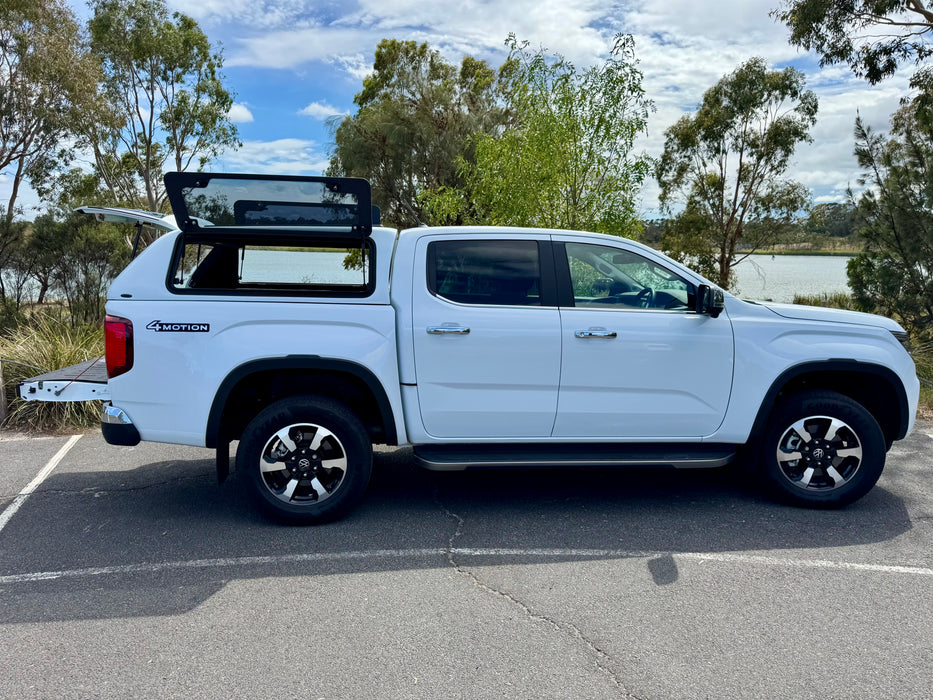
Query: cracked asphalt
129	573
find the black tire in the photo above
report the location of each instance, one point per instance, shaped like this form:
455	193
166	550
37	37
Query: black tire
306	459
821	450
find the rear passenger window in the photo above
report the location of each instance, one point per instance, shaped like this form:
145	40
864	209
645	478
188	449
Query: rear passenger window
503	273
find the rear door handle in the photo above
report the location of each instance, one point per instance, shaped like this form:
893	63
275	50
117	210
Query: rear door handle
448	330
596	333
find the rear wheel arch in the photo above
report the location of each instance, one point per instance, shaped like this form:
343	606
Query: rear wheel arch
251	387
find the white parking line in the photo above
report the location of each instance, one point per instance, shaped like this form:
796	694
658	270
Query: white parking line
10	511
157	567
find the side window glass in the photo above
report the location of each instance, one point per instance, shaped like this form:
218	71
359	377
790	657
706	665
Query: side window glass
606	277
256	266
502	273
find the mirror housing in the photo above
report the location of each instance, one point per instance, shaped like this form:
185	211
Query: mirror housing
710	301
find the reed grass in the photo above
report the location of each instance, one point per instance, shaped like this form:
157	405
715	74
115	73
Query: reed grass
40	345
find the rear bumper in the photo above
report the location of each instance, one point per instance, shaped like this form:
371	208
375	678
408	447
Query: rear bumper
117	427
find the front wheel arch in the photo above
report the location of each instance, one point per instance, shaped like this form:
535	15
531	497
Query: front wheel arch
877	388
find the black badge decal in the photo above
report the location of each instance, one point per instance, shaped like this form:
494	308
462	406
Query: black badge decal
171	327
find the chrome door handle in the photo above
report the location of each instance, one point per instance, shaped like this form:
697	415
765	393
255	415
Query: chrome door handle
593	333
448	330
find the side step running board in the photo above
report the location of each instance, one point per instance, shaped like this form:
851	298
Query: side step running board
669	455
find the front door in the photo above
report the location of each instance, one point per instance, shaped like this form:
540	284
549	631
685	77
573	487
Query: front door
638	361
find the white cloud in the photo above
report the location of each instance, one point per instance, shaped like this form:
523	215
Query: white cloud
355	66
286	156
292	48
295	33
683	46
321	111
257	14
239	113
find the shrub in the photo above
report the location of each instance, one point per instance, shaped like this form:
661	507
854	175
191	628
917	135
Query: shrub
838	300
42	345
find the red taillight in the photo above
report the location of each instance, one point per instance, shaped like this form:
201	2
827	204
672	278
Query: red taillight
118	342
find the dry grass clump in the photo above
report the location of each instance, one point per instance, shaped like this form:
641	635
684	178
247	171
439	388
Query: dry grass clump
41	345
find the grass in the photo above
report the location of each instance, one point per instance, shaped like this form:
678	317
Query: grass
41	345
923	358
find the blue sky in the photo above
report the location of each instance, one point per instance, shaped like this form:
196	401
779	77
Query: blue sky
293	63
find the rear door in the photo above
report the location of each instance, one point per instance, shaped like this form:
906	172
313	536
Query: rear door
486	336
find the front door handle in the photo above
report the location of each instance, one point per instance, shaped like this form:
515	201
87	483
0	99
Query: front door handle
448	330
596	333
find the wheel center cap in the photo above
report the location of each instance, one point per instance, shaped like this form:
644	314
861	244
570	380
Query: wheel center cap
304	463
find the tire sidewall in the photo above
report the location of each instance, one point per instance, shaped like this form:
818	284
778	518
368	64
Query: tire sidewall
328	414
831	404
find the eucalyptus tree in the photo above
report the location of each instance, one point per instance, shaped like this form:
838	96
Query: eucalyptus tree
726	163
570	160
873	37
45	73
416	115
162	103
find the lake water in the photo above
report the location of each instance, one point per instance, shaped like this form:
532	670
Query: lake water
780	277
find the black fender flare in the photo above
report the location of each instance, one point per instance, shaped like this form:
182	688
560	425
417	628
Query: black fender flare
837	365
212	436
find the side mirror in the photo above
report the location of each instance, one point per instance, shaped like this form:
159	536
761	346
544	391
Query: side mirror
710	301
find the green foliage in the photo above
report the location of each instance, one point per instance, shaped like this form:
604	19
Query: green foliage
686	238
836	300
11	314
873	37
75	259
836	220
416	116
43	345
162	101
570	161
922	354
45	75
725	163
893	275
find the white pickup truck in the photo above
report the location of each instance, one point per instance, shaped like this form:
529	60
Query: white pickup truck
278	314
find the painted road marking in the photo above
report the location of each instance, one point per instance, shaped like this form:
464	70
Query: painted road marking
10	511
158	567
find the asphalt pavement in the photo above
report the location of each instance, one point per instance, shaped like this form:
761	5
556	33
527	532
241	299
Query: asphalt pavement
127	572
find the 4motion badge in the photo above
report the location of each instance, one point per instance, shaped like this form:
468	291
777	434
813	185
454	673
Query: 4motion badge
172	327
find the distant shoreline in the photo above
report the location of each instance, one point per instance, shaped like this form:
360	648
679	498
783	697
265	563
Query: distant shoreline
835	253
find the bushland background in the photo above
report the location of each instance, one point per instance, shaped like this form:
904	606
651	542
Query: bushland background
96	112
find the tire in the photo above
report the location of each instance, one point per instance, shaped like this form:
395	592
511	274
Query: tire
821	450
307	459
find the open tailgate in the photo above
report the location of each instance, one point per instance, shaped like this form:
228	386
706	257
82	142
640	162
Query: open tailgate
85	381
